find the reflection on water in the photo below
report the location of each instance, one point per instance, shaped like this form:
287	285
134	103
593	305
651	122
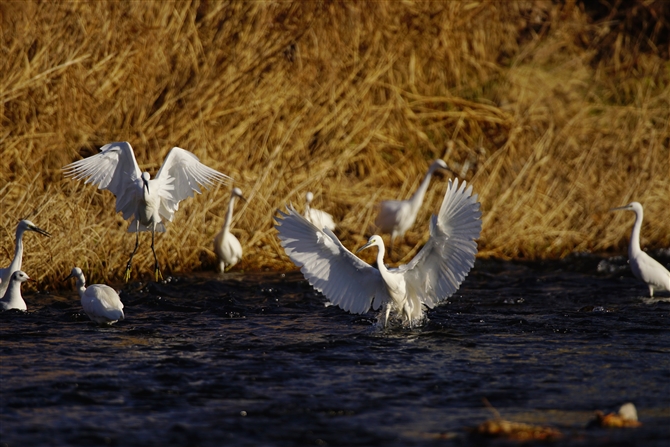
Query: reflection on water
260	359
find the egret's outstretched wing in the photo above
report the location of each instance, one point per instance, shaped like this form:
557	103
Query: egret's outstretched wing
330	268
181	175
114	169
440	267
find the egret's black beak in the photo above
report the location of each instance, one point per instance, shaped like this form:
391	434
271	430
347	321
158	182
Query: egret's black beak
364	247
39	230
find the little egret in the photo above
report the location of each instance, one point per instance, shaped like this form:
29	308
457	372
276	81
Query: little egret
226	245
320	219
12	298
6	273
100	302
433	275
398	216
644	267
148	201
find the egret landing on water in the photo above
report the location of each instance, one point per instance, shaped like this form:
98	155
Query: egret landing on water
644	267
320	219
6	273
100	302
12	298
433	275
147	201
226	245
398	216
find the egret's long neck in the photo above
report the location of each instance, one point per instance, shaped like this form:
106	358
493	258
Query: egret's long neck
229	215
380	262
417	197
18	252
81	285
634	243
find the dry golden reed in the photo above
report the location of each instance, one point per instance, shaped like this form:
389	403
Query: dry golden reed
552	116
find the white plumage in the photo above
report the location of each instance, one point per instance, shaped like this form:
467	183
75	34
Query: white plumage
320	219
398	216
12	298
147	201
100	302
644	267
227	247
434	274
6	273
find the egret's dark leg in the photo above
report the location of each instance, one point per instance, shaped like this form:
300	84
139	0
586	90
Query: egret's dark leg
126	276
157	270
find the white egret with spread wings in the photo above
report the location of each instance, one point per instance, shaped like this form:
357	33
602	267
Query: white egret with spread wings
434	274
148	201
644	267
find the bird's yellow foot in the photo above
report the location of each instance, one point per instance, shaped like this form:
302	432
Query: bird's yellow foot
159	275
126	276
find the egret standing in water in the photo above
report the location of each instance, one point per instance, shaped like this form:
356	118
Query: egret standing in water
100	302
644	267
6	273
320	219
433	275
12	298
398	216
227	247
148	201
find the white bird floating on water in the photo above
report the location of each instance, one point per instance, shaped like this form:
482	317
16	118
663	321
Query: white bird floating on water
100	302
12	298
398	216
433	275
147	201
227	247
644	267
6	273
320	219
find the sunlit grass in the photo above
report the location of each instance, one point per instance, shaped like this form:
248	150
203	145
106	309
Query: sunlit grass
349	100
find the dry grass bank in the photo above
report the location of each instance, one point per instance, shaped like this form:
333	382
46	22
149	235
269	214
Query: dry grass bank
553	114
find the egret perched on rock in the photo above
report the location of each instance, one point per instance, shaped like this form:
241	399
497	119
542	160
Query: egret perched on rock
12	298
100	302
226	245
6	273
434	274
644	267
147	201
320	219
398	216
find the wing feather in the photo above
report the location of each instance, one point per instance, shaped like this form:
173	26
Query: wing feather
440	267
114	169
180	177
330	268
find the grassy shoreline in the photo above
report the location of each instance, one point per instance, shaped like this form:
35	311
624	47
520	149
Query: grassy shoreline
554	115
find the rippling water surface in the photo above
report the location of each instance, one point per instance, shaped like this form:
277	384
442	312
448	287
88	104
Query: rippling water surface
259	359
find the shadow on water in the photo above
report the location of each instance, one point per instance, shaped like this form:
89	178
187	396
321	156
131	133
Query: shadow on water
259	359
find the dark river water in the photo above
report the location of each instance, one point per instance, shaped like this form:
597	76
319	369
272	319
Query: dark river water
260	360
